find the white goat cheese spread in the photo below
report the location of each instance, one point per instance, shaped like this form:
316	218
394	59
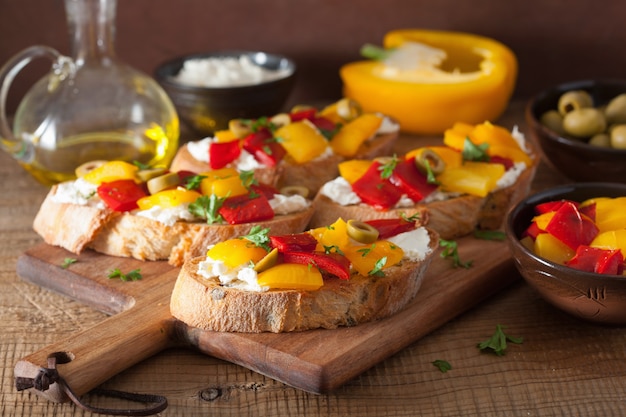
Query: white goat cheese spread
226	72
79	192
414	244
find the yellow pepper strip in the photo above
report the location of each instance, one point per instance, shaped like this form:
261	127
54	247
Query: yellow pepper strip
302	141
168	198
365	257
610	213
291	276
236	252
542	220
353	169
224	182
551	248
347	141
612	239
475	83
225	136
475	178
335	234
112	171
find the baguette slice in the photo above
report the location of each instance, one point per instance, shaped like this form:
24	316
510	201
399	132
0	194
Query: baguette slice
76	228
205	304
312	174
451	218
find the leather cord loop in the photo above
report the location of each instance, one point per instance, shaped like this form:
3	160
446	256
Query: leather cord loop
50	375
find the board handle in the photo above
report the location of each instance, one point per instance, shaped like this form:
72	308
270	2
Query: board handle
90	357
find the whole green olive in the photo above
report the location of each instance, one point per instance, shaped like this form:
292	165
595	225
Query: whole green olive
584	122
574	100
553	120
615	111
618	137
602	140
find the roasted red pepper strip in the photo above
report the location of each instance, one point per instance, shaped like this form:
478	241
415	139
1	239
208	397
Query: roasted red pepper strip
390	227
409	179
308	114
244	209
571	227
264	189
223	153
508	163
376	191
121	195
597	260
532	231
297	242
264	147
331	263
324	124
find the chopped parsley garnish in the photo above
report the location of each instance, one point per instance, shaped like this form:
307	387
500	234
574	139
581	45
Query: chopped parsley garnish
443	366
411	219
451	250
365	251
497	343
378	267
207	207
193	182
387	168
333	248
141	165
247	178
259	236
67	262
473	152
134	275
489	234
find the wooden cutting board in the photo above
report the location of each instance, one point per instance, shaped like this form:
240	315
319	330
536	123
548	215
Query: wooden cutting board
316	361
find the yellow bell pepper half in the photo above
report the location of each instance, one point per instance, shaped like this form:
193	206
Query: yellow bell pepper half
112	171
475	83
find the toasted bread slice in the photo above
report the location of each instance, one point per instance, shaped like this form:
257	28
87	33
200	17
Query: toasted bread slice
77	227
208	305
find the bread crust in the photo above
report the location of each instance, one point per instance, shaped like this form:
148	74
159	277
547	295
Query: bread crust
451	218
76	228
312	174
205	304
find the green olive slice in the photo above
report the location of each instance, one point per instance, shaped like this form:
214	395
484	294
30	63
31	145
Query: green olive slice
83	169
348	109
426	159
290	190
361	231
147	174
239	127
280	120
163	182
267	261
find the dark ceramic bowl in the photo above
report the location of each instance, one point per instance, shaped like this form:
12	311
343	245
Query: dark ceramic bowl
573	158
208	109
592	297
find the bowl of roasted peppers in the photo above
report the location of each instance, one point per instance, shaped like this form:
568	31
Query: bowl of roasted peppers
569	244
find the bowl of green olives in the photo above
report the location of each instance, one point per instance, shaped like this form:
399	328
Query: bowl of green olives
580	128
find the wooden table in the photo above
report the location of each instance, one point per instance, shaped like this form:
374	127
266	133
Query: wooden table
563	367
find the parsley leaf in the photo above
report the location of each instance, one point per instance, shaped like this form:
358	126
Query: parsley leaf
387	168
489	234
333	248
141	165
67	262
443	366
193	182
206	207
247	178
450	250
378	267
134	275
473	152
259	236
497	343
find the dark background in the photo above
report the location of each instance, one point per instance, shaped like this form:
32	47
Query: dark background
554	40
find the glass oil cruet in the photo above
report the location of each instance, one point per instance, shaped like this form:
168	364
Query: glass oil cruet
90	106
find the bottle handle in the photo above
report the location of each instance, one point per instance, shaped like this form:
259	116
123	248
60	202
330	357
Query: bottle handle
62	68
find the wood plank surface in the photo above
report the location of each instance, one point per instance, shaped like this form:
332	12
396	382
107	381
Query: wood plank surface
564	367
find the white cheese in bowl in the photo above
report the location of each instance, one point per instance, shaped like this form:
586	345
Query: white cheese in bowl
226	72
